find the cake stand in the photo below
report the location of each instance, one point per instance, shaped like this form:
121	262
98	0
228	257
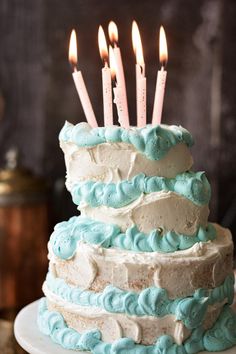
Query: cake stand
34	342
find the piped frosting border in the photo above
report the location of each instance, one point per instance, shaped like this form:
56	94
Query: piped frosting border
52	324
151	301
191	185
67	234
153	141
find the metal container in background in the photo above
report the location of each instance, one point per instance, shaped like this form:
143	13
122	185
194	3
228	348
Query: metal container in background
23	234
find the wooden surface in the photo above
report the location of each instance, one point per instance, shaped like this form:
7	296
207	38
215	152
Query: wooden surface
8	344
23	253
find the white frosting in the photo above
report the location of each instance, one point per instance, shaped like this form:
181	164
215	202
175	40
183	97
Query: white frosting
119	161
84	270
166	210
205	265
180	273
113	326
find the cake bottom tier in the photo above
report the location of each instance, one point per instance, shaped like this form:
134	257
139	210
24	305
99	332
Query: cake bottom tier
220	337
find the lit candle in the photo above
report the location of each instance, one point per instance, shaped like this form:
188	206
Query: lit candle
106	79
113	35
141	82
79	83
161	79
118	91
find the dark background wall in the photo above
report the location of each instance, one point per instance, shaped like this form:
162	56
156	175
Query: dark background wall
37	93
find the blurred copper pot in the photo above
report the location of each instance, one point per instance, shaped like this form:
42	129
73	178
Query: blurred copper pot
23	234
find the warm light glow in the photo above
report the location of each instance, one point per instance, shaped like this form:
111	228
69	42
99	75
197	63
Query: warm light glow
102	43
73	59
112	62
137	44
163	52
113	32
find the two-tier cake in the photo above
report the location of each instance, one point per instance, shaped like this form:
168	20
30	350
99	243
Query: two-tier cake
140	270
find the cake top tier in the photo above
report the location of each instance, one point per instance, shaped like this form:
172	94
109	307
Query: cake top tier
153	141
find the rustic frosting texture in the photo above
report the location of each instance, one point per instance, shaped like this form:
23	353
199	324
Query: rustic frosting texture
141	265
153	141
66	235
149	302
221	336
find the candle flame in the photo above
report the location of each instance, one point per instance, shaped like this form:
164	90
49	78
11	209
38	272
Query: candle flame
102	43
113	32
163	51
137	44
73	58
112	62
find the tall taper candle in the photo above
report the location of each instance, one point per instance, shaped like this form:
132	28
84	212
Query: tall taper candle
161	80
107	96
119	96
141	97
84	98
141	84
120	77
79	83
159	96
106	79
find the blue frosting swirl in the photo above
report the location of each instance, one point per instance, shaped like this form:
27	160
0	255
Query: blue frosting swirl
153	141
53	325
191	185
151	301
67	233
223	335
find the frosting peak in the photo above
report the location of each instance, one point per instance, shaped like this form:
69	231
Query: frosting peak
153	141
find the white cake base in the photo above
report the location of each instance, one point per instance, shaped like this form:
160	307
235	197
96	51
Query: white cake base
34	342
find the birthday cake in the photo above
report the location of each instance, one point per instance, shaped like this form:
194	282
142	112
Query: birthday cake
140	270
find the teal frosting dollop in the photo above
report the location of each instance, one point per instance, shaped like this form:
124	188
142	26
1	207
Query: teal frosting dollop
191	311
66	235
151	301
191	185
194	344
223	335
153	141
53	325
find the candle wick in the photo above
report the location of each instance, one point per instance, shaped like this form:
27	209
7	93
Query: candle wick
142	70
114	80
105	63
73	66
163	65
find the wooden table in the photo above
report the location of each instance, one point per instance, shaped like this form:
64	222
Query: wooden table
8	344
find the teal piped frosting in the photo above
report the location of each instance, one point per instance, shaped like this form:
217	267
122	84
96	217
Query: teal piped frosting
194	344
223	335
153	141
66	235
191	185
151	301
53	324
